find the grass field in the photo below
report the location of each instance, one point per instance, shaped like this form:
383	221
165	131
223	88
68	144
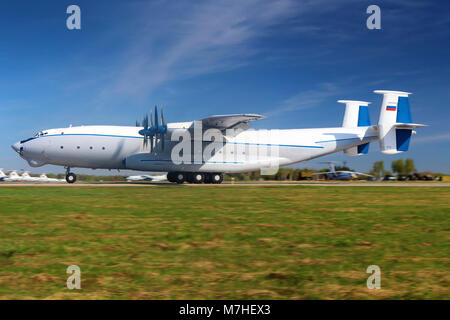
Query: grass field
236	242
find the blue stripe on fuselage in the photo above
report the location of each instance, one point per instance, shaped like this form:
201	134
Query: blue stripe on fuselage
203	162
135	137
336	140
245	143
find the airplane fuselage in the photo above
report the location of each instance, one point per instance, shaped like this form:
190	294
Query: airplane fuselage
121	147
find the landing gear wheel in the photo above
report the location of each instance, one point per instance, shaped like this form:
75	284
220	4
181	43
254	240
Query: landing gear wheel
180	177
71	177
217	178
198	177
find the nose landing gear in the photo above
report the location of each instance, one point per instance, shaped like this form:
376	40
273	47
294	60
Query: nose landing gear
70	176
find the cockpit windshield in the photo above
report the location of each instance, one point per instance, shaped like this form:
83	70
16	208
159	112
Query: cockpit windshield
37	135
26	140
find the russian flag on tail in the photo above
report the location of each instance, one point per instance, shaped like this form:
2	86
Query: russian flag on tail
391	108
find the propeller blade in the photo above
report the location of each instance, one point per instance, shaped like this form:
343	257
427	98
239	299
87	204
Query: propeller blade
145	122
155	131
162	118
137	124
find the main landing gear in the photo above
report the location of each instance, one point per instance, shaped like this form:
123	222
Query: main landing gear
70	176
195	177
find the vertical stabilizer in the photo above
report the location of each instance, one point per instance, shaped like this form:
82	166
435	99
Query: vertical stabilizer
394	112
356	115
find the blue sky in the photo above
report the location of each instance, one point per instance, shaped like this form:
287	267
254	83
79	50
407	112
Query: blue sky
290	60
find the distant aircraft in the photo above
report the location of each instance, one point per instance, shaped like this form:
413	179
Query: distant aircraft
174	147
43	178
340	175
26	177
2	175
147	178
12	177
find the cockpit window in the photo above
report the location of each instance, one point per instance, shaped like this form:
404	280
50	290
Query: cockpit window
23	141
37	135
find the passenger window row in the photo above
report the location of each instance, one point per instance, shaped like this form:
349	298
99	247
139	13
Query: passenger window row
78	147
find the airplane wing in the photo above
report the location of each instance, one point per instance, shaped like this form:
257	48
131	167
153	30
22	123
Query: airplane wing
363	174
319	173
232	121
401	125
357	173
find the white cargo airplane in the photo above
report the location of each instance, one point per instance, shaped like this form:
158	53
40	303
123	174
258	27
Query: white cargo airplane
237	150
145	177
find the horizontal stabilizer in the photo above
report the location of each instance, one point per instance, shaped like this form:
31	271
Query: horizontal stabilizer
400	125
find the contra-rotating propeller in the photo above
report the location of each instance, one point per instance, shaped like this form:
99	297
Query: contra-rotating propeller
154	131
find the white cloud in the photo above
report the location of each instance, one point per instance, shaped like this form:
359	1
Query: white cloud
183	40
306	99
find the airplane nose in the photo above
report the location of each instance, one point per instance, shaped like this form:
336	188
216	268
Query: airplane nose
16	147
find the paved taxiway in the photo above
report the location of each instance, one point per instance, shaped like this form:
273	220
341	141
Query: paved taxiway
161	184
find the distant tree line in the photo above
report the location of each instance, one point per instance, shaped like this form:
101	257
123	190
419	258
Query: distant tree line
399	167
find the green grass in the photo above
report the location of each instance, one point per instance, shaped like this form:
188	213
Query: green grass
236	242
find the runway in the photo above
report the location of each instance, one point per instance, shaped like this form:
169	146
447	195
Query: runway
229	184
